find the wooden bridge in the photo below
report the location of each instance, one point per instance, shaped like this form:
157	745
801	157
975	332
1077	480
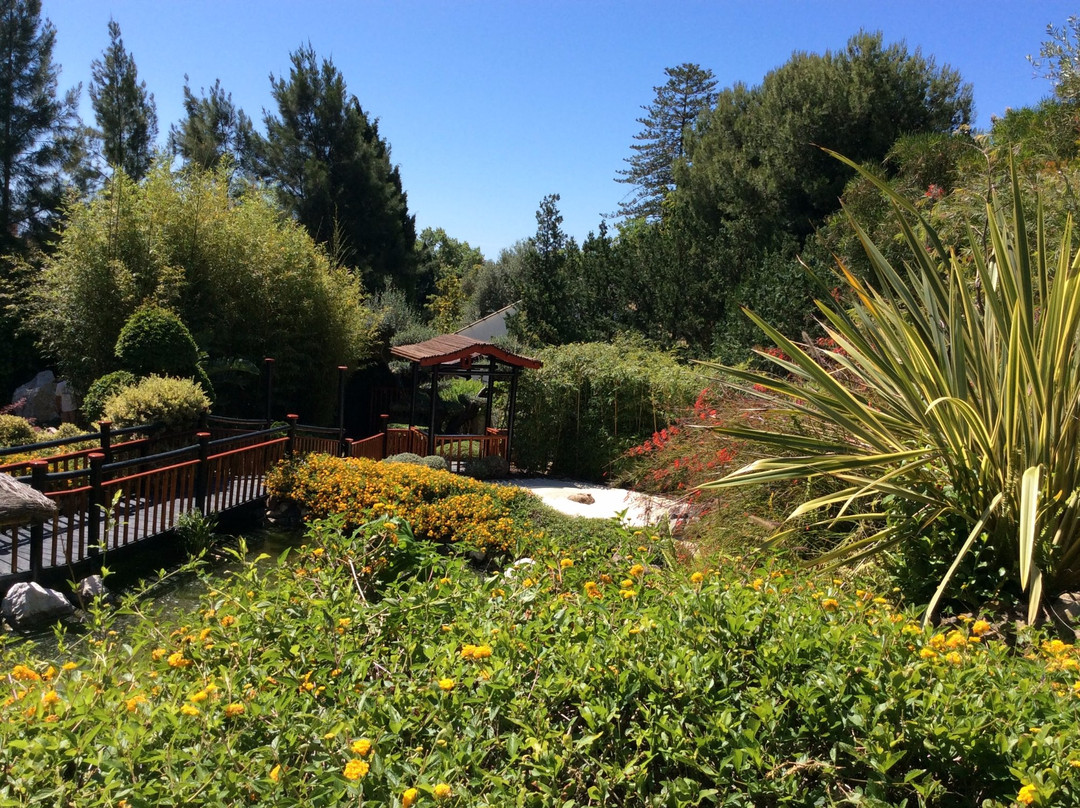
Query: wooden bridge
127	490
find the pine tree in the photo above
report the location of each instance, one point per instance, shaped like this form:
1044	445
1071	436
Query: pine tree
214	127
35	124
689	90
125	113
332	170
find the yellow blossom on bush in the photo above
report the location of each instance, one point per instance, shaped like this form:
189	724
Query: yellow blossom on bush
757	584
177	660
199	696
133	703
446	684
157	654
627	593
234	709
275	773
24	674
50	697
361	747
1028	794
355	769
953	658
830	604
927	653
566	563
979	627
68	666
189	709
409	797
442	791
697	578
637	570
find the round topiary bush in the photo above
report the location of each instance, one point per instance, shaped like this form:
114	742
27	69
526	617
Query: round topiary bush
101	390
177	404
16	431
155	340
404	457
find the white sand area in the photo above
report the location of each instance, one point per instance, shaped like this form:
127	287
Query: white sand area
641	509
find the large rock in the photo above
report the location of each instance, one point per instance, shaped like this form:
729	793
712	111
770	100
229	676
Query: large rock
39	398
91	589
27	605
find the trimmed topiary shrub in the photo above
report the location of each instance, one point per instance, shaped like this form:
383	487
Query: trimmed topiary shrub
101	390
177	404
155	340
403	457
431	461
487	468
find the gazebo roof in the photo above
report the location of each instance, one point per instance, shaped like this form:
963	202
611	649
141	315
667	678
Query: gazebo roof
454	347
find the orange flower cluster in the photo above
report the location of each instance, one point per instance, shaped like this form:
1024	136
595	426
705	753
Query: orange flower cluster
440	506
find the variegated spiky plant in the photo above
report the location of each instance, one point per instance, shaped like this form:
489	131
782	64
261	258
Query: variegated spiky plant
953	387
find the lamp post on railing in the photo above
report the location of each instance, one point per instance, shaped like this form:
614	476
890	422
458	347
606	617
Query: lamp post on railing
268	365
202	472
341	371
95	501
39	470
290	442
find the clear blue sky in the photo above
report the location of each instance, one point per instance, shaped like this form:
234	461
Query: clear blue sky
489	105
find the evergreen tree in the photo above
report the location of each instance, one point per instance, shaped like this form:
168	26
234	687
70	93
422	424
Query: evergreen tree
125	113
214	127
332	171
678	103
35	125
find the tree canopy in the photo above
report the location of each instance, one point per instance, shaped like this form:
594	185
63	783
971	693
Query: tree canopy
212	129
125	112
331	169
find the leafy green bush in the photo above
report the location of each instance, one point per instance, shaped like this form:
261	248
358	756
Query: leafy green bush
196	532
177	404
16	431
155	340
431	461
592	401
101	390
954	398
491	467
592	676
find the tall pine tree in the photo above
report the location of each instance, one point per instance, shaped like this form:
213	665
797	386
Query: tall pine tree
125	113
688	91
214	127
332	170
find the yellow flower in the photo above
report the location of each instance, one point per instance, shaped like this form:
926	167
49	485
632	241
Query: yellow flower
234	709
361	747
953	658
68	666
410	796
979	627
1028	794
443	792
636	570
197	697
355	769
445	581
956	639
275	773
189	709
627	593
50	697
446	684
757	584
830	604
566	563
177	660
133	703
24	674
697	578
927	653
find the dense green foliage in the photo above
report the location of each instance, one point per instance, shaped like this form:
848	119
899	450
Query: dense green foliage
245	282
155	340
125	112
591	401
101	390
593	676
16	431
213	129
176	404
331	170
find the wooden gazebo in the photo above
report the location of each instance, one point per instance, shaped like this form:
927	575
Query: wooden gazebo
457	355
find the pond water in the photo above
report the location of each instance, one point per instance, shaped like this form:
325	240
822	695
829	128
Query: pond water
179	593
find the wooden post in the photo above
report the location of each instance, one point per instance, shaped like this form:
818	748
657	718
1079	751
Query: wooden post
342	369
202	471
268	364
510	415
39	470
412	402
106	439
290	445
434	401
348	447
384	422
95	502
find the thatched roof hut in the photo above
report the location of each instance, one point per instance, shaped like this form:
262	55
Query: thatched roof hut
20	504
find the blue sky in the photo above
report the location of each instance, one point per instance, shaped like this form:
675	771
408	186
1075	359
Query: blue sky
489	105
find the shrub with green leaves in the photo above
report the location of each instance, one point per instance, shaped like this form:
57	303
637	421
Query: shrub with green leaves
101	390
950	395
592	401
16	431
155	340
177	404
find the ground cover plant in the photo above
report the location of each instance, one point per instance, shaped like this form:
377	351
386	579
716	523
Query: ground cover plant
366	669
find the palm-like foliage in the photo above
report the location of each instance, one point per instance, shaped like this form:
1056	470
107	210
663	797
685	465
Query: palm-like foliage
959	397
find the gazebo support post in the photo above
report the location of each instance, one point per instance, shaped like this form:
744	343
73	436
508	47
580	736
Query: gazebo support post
490	394
434	401
415	385
515	373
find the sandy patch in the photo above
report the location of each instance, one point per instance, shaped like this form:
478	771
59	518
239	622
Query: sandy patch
641	509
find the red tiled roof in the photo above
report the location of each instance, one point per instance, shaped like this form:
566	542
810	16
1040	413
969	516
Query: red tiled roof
453	347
